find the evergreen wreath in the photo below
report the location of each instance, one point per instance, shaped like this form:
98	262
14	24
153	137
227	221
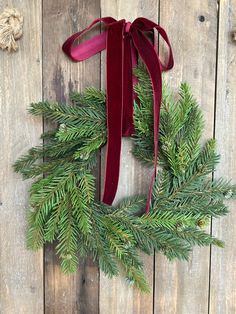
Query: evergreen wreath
62	204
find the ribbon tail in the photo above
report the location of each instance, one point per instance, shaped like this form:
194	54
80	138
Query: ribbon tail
114	109
152	62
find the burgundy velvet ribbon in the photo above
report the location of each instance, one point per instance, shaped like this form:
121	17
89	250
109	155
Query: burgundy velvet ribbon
124	42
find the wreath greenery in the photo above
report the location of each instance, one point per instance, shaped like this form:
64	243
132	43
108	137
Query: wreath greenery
62	204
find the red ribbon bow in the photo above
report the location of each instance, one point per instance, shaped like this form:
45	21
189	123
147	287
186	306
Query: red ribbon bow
124	41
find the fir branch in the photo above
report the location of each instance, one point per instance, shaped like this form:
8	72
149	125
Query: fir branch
132	205
68	115
91	97
68	246
35	232
47	192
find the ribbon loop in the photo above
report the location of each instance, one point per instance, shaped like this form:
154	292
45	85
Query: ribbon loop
123	41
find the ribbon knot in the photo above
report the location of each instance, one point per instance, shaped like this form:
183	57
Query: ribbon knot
127	27
124	42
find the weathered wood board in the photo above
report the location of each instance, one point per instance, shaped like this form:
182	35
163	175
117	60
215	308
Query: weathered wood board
223	268
76	293
182	287
21	271
115	294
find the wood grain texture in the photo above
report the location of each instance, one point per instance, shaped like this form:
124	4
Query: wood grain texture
182	287
223	265
76	293
116	296
21	271
179	288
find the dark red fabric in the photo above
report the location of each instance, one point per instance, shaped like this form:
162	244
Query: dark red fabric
124	42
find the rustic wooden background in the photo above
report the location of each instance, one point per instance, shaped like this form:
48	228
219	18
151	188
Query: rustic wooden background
205	56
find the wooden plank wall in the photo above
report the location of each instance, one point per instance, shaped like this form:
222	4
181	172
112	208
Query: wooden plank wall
201	36
223	270
21	271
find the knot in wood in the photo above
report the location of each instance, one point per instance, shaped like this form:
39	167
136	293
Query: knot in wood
234	35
